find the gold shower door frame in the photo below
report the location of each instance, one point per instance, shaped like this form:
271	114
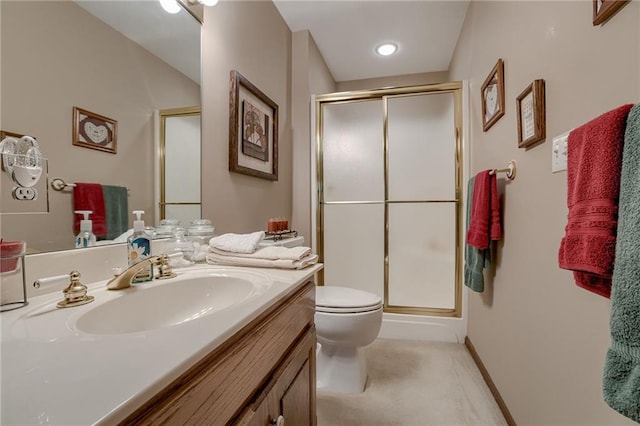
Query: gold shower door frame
455	88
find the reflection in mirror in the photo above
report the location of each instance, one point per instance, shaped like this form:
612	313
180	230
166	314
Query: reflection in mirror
180	165
71	58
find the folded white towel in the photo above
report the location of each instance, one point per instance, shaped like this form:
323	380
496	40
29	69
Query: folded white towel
237	243
270	253
216	259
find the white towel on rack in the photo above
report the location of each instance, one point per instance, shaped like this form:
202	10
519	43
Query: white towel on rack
237	243
268	253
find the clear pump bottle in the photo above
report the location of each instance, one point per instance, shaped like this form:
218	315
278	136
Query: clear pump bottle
85	237
139	248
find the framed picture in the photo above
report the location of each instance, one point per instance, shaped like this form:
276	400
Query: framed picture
492	93
603	10
5	134
253	130
94	131
530	107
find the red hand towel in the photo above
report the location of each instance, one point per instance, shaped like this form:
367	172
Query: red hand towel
594	160
88	196
484	224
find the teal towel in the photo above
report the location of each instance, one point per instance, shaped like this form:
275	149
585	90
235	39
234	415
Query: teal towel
116	209
621	381
475	259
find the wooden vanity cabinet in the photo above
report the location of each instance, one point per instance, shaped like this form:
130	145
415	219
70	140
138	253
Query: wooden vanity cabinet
263	375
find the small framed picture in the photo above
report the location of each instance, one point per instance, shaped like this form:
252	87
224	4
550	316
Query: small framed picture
530	106
253	130
94	131
603	10
492	93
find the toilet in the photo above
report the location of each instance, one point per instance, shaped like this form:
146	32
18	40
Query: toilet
346	320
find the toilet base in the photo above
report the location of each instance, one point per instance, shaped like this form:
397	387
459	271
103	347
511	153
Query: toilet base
341	368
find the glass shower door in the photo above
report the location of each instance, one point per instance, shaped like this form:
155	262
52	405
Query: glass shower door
421	201
353	195
389	179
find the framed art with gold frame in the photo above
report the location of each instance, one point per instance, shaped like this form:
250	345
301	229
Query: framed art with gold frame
530	107
253	130
492	95
95	131
603	10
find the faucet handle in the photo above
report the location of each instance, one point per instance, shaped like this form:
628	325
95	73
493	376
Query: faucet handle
76	293
164	268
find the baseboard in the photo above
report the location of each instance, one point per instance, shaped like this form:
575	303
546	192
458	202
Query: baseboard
492	386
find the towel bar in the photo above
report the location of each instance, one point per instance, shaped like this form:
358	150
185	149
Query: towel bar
59	184
510	170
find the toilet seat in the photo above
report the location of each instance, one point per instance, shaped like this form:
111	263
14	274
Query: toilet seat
330	310
345	300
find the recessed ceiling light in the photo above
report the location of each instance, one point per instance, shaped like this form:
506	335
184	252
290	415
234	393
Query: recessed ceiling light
387	49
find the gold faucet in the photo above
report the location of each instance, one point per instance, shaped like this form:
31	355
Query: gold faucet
124	279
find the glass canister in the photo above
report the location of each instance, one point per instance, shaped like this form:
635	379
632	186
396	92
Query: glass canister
200	231
180	243
166	227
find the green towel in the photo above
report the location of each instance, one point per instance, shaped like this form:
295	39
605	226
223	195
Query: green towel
475	259
621	381
116	210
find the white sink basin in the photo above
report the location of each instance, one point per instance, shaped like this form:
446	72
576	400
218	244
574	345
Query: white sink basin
171	302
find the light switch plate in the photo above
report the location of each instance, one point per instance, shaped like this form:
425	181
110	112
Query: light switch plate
559	153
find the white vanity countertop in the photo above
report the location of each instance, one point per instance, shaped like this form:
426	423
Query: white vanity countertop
54	374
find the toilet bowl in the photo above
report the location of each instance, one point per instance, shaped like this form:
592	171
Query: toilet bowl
346	320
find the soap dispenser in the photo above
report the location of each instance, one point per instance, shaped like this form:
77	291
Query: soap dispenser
139	248
85	237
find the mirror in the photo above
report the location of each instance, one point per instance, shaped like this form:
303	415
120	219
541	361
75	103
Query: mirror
60	55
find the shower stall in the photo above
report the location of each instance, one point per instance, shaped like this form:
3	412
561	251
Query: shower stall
388	203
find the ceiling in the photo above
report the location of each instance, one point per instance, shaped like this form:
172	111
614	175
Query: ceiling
347	32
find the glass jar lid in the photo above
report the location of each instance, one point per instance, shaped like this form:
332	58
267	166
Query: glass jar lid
201	227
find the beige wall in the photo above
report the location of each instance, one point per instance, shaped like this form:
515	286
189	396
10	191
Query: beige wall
310	76
394	81
542	338
252	38
56	56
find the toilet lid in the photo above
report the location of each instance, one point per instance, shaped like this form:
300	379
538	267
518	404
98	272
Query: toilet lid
345	300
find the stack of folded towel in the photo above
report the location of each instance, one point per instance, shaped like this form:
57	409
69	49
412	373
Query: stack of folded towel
243	250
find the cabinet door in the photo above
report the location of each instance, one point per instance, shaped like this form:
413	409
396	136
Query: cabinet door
293	408
290	394
295	402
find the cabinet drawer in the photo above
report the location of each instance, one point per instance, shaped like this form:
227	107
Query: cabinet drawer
215	390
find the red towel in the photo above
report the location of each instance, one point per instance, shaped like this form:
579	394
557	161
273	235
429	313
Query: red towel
594	160
484	224
88	196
